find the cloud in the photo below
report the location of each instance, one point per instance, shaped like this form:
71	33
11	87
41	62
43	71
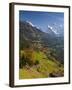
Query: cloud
60	25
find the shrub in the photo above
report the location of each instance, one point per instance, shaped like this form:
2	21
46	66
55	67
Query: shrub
22	62
36	62
27	57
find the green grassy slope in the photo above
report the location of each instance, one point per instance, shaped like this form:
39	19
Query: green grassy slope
43	69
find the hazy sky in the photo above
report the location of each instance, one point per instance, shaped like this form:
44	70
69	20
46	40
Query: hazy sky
43	19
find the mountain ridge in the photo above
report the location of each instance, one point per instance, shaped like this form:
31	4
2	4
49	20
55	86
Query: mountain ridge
29	33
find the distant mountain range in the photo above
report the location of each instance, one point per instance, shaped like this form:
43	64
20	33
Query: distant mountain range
51	39
55	29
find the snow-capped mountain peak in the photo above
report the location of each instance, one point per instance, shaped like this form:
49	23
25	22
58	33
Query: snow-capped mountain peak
51	30
30	23
50	27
